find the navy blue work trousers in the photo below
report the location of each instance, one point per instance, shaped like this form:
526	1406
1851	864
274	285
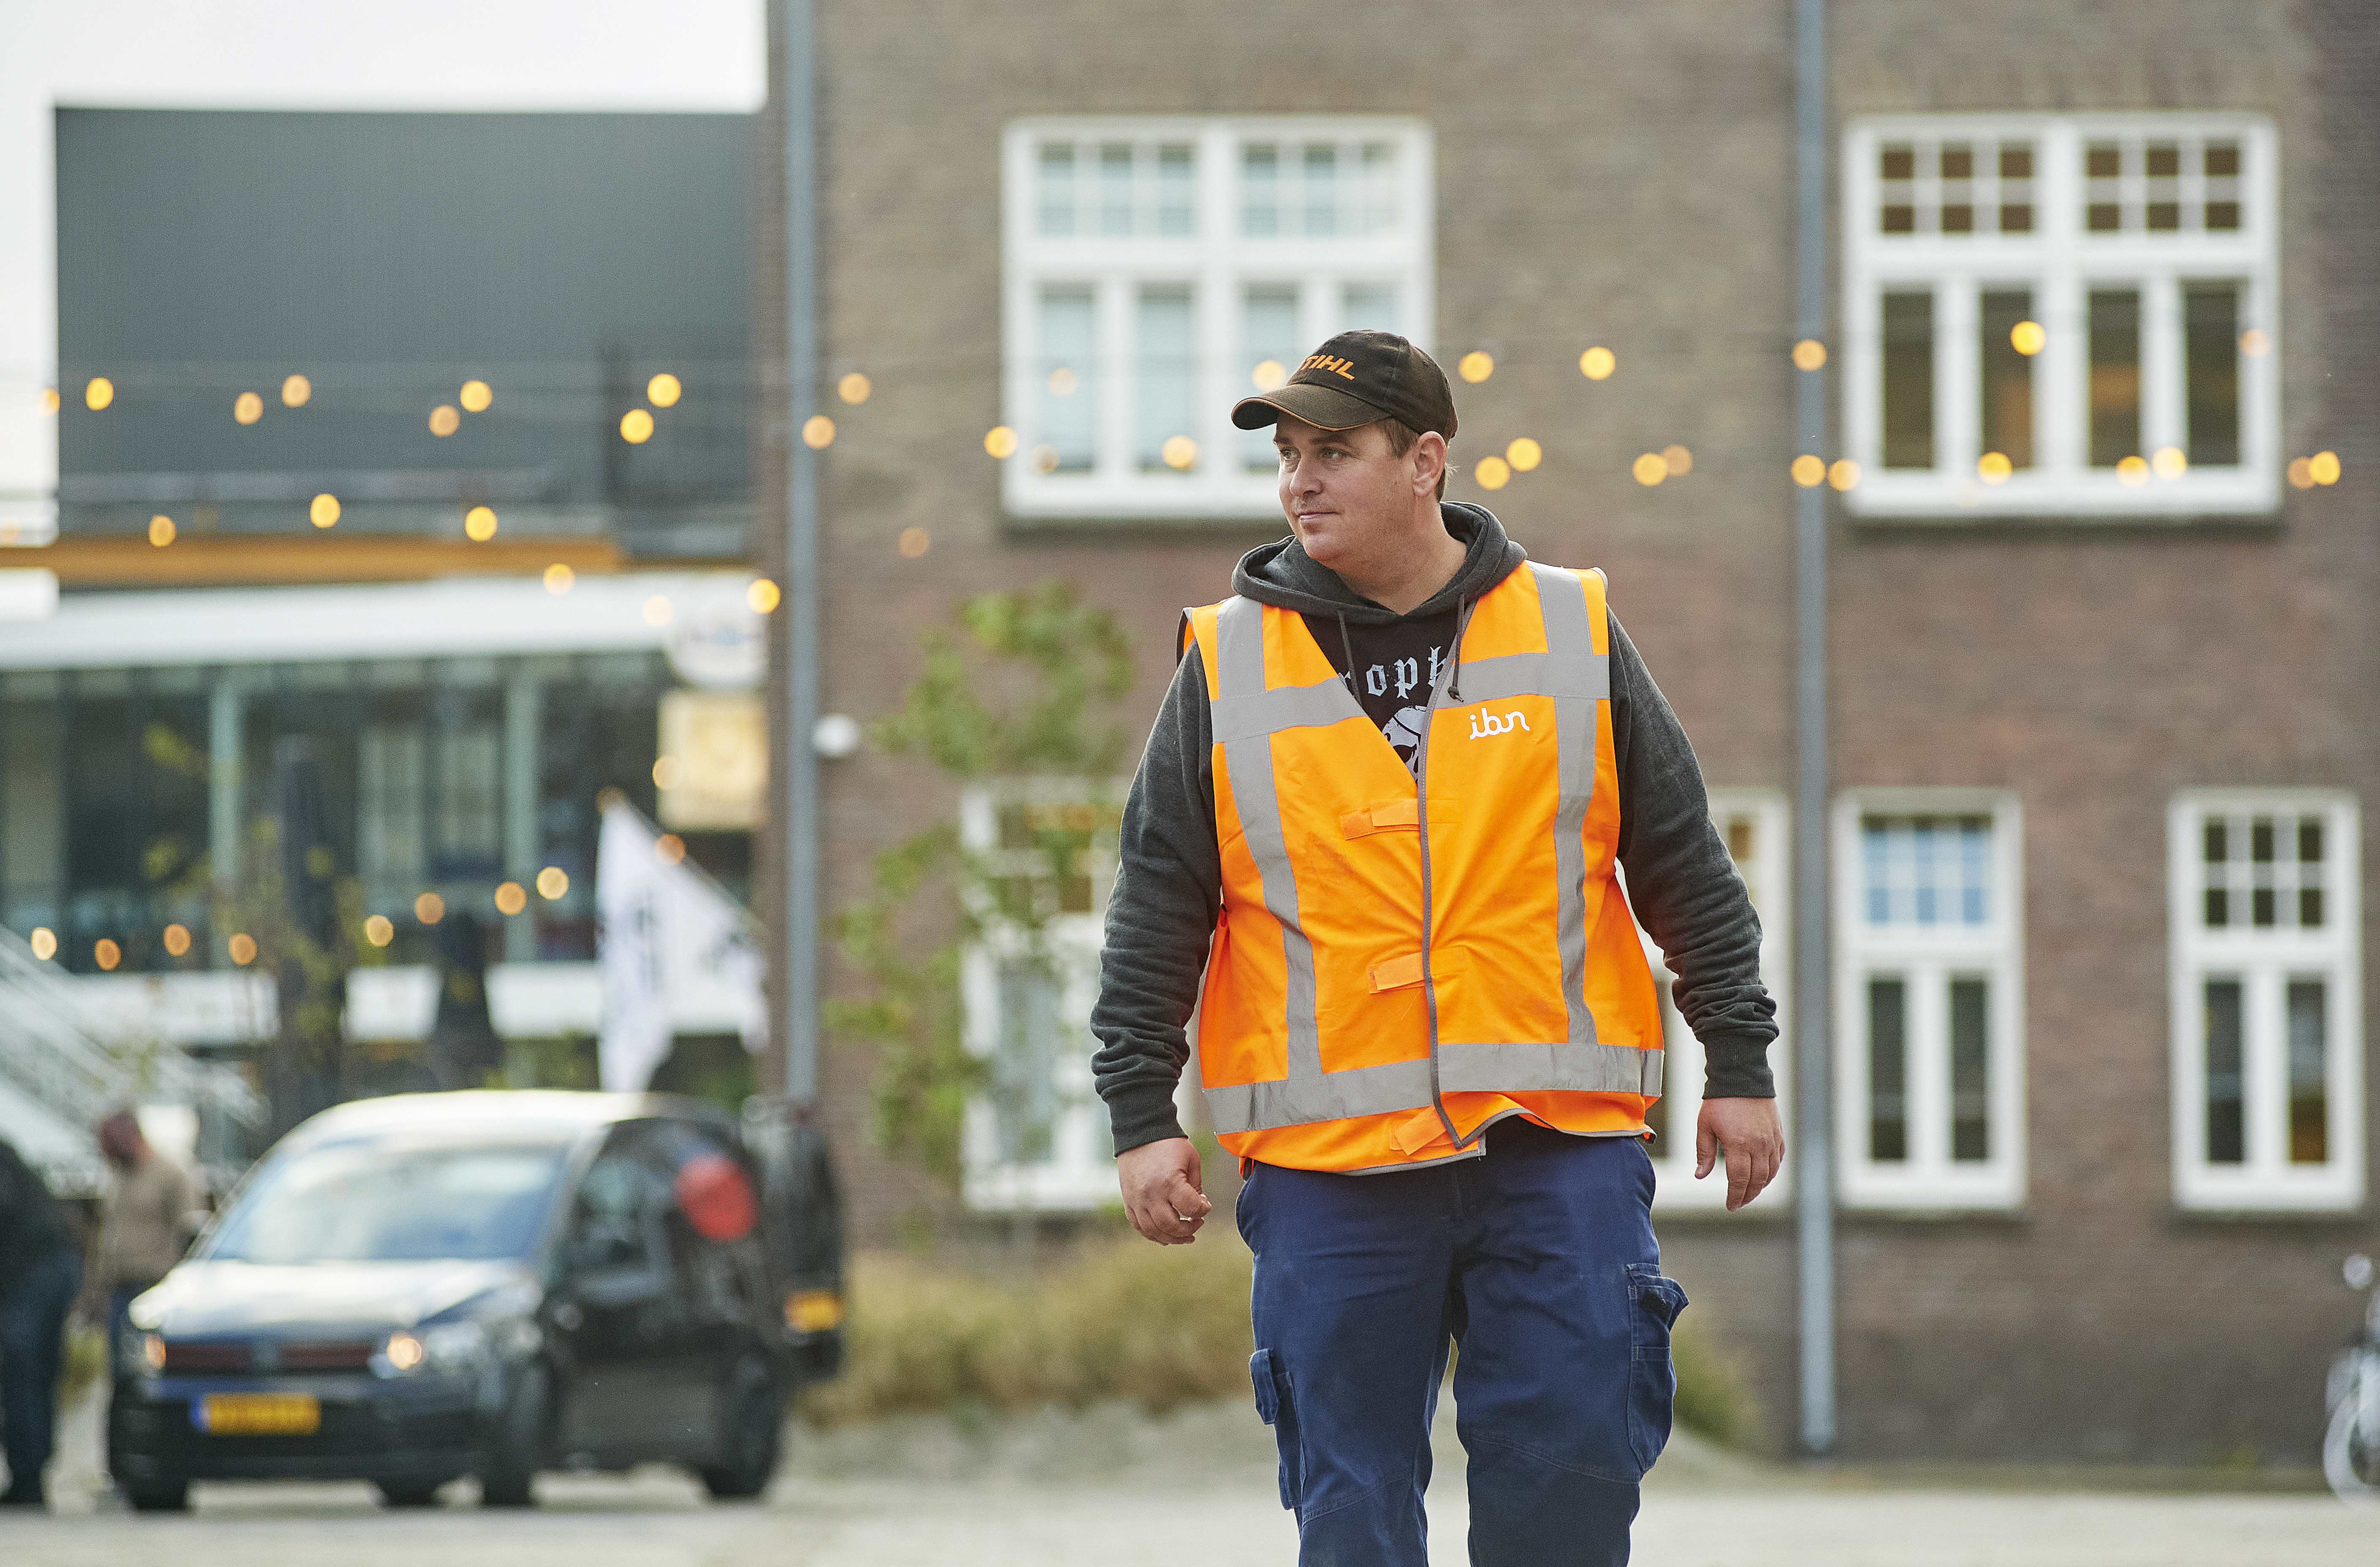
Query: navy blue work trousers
1538	1264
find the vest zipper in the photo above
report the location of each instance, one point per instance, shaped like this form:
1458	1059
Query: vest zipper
1420	819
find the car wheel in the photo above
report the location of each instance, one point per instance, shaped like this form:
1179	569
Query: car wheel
523	1438
395	1495
751	1428
158	1496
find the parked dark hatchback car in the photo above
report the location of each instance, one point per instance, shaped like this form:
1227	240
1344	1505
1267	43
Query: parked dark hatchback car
413	1289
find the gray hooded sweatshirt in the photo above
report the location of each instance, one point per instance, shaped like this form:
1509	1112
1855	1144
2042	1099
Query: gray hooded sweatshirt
1168	894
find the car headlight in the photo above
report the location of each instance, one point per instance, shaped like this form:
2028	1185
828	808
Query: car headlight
450	1347
144	1354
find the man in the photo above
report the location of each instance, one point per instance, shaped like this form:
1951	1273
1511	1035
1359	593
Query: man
144	1223
40	1268
1382	808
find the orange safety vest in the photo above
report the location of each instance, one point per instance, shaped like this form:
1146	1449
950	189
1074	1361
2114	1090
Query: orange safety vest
1402	960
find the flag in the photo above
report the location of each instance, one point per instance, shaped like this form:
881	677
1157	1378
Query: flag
672	946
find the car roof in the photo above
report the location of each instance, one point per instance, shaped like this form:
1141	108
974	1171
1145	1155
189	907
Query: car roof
496	1114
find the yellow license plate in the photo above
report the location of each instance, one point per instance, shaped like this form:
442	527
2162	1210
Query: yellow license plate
259	1414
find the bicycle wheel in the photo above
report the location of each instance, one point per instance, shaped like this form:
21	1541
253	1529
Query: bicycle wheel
2351	1449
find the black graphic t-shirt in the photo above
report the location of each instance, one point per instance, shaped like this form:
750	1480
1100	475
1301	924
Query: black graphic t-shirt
1392	670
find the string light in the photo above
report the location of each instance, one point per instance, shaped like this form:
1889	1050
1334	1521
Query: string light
444	420
818	433
1493	473
762	596
177	938
2256	342
1596	364
323	510
511	898
430	909
1649	468
475	396
1994	467
558	579
106	954
551	882
2302	472
854	388
1062	381
665	773
1844	474
915	542
663	391
243	948
49	399
1809	471
2132	472
1475	366
1270	375
1678	460
2324	467
669	848
1044	459
98	394
1181	452
479	524
1809	354
161	531
636	427
999	442
380	930
2027	337
44	943
295	390
247	407
2169	463
1523	454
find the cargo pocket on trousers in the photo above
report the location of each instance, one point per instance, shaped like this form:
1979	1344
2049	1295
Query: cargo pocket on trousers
1654	1302
1278	1409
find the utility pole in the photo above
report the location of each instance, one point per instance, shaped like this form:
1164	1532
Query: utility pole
1814	1177
798	996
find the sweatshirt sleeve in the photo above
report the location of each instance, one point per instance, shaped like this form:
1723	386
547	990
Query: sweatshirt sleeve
1160	917
1684	886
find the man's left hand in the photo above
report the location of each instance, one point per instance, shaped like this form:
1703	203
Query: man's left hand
1753	1140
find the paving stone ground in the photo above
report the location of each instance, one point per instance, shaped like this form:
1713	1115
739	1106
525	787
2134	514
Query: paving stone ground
1110	1487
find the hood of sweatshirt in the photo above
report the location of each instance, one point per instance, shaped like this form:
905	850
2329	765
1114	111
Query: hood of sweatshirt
1284	575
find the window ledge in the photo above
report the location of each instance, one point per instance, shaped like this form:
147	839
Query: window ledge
2017	1217
2262	521
2305	1215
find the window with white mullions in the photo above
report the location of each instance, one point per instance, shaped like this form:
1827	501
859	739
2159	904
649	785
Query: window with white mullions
1157	270
2064	315
2266	912
1929	1003
1756	827
1043	854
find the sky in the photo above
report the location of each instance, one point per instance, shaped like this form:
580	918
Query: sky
686	55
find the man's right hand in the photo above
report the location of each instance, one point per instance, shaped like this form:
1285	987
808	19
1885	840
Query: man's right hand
1162	1191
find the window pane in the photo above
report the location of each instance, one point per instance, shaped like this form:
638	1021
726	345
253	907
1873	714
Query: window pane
1897	213
1268	352
1370	305
1957	165
2115	375
1056	203
1024	1087
1320	176
1165	359
1927	870
1887	1071
2211	337
2103	209
2008	377
2226	1112
1908	380
2309	1073
1260	190
2310	909
468	820
1115	189
1067	369
388	826
1971	1111
1177	209
2016	188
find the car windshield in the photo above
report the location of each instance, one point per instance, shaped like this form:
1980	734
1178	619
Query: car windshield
379	1202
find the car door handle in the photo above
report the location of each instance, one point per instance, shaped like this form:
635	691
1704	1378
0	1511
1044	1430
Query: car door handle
566	1317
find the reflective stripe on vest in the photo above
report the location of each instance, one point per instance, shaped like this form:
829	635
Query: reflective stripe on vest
1245	717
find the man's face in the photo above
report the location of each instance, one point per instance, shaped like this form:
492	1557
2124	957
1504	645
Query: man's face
1345	492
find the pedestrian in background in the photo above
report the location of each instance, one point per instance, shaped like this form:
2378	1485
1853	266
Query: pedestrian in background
1383	814
144	1224
41	1269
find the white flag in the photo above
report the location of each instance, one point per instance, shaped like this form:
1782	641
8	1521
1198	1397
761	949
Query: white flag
675	950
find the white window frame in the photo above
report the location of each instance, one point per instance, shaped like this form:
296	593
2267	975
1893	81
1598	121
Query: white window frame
1079	1173
1217	262
1929	1180
2060	260
2265	960
1767	876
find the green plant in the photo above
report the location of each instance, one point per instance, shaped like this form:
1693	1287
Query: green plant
1160	1326
1712	1401
1019	691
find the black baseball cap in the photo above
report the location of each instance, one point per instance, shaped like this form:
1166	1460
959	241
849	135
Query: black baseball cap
1357	378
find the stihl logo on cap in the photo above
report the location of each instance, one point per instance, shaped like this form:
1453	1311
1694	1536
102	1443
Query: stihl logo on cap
1336	366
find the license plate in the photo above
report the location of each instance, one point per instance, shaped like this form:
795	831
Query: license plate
257	1414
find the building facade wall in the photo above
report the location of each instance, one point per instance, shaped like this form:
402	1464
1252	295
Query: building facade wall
1622	176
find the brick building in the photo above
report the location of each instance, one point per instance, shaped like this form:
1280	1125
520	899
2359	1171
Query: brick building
2103	310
